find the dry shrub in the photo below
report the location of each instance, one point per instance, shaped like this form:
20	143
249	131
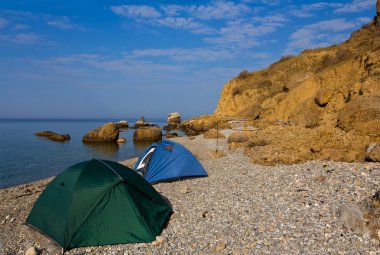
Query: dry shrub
282	59
213	134
244	74
258	142
235	91
265	83
341	55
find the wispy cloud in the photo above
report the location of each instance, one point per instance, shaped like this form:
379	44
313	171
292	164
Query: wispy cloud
3	22
185	23
356	6
319	34
62	23
136	11
185	55
218	10
241	33
309	10
21	38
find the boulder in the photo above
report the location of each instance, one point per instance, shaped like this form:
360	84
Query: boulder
174	117
213	134
373	152
361	115
54	136
370	207
148	134
108	133
306	115
238	137
122	124
351	218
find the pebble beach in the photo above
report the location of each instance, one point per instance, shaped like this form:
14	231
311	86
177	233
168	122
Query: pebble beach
241	208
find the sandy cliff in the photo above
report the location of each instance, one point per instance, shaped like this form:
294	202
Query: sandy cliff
327	101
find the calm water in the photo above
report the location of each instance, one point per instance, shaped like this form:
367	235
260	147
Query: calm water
26	158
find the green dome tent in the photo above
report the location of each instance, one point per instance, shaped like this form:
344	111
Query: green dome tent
99	202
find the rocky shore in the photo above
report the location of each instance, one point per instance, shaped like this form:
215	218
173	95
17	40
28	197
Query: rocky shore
241	208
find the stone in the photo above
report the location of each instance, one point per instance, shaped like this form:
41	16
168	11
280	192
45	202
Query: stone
156	243
121	140
108	133
31	251
238	137
185	190
53	136
220	247
351	218
373	152
174	117
148	134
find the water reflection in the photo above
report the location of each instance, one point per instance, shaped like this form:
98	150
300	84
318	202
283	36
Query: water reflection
142	145
102	149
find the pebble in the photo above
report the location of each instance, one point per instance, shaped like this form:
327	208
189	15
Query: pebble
220	247
31	251
160	239
260	211
185	190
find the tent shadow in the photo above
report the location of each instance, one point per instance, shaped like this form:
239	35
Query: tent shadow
180	179
171	213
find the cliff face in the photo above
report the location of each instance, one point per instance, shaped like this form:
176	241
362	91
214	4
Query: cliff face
315	87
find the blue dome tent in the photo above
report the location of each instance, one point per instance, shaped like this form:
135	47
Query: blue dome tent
167	161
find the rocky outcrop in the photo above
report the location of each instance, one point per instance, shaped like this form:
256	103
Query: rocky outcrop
174	117
174	121
54	136
311	89
108	133
148	134
327	101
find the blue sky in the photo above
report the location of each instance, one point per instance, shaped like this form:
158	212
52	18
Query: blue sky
124	59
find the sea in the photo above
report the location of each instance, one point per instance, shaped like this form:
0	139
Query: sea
25	157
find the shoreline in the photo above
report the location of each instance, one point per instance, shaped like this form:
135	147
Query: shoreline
241	208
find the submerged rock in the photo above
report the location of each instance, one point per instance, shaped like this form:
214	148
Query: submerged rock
53	136
108	133
121	140
122	124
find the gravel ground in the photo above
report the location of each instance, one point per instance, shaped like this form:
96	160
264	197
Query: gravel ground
241	208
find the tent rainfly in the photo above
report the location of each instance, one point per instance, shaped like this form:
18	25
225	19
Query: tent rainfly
99	202
167	161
